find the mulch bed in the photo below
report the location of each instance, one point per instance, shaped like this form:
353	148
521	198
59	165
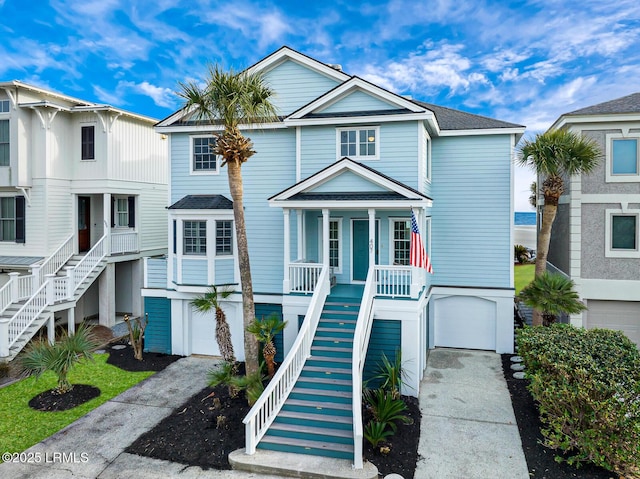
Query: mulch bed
124	359
540	459
53	401
208	426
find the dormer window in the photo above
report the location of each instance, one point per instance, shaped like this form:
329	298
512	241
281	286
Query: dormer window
358	143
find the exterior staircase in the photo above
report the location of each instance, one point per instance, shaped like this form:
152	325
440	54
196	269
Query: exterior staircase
317	416
21	319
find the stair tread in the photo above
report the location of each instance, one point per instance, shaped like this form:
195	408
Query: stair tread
316	404
329	359
337	382
326	329
327	371
331	348
332	446
325	431
316	417
335	339
322	392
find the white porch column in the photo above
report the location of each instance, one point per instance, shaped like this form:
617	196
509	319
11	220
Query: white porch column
137	283
325	237
106	216
287	250
51	329
71	320
301	247
107	296
372	237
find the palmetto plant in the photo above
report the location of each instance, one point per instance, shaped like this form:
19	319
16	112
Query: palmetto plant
59	357
231	99
552	294
211	300
555	155
265	330
521	253
376	432
385	408
391	374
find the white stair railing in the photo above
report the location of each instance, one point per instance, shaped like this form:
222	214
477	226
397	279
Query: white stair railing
88	263
58	258
267	407
360	346
25	317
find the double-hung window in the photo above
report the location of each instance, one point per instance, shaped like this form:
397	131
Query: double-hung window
224	237
622	234
7	219
88	139
335	243
401	241
623	158
195	237
4	143
359	143
4	106
203	159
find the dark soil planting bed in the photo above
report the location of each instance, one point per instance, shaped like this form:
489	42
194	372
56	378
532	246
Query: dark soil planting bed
123	358
51	400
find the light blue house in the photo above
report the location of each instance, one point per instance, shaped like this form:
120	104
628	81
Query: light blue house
328	201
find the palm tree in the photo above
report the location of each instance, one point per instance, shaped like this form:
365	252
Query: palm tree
59	357
521	253
265	331
232	99
211	300
554	155
552	294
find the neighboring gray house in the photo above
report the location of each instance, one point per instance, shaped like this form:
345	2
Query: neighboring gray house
596	233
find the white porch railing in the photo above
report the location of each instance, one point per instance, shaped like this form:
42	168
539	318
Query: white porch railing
303	277
124	242
88	263
265	410
24	317
397	281
54	262
360	346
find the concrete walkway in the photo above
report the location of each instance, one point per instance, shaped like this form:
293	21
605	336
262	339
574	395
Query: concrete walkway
468	427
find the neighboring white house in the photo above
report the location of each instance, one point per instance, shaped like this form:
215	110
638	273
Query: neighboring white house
596	235
83	188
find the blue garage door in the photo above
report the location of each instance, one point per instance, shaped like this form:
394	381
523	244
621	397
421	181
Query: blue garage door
157	336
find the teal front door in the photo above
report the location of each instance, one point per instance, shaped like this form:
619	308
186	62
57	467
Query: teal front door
360	249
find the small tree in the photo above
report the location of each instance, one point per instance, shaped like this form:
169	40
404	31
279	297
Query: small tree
59	357
521	253
265	331
211	300
552	294
136	329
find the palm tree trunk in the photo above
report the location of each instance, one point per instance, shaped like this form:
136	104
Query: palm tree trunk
248	308
223	336
549	212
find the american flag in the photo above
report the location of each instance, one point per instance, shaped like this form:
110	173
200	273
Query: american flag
417	255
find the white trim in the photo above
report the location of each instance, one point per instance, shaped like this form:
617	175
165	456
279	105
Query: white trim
208	128
357	156
609	252
602	119
298	154
621	178
350	120
488	131
611	198
353	84
354	205
348	165
392	245
195	172
286	53
339	268
608	289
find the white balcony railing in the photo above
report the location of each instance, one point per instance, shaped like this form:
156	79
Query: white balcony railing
397	281
124	242
303	277
270	402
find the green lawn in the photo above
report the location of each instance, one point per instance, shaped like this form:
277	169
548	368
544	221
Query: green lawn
523	274
22	427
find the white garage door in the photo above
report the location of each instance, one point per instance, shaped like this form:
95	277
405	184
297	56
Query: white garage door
619	315
203	334
465	322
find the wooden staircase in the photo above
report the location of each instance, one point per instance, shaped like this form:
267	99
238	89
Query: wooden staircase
42	318
317	416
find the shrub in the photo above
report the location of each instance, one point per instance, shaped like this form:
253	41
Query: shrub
376	432
390	374
385	408
587	385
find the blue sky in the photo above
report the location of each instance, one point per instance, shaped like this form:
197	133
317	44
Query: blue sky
526	62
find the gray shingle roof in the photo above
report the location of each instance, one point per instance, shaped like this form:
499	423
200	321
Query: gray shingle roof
202	202
625	104
450	119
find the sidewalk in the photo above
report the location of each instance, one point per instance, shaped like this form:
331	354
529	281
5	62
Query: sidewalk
468	428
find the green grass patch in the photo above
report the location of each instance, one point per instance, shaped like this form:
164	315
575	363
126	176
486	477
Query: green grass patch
21	427
523	274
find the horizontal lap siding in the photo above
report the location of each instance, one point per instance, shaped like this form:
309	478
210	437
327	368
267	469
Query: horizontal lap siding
358	101
157	335
385	339
157	273
224	271
152	213
348	182
296	85
471	214
194	271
